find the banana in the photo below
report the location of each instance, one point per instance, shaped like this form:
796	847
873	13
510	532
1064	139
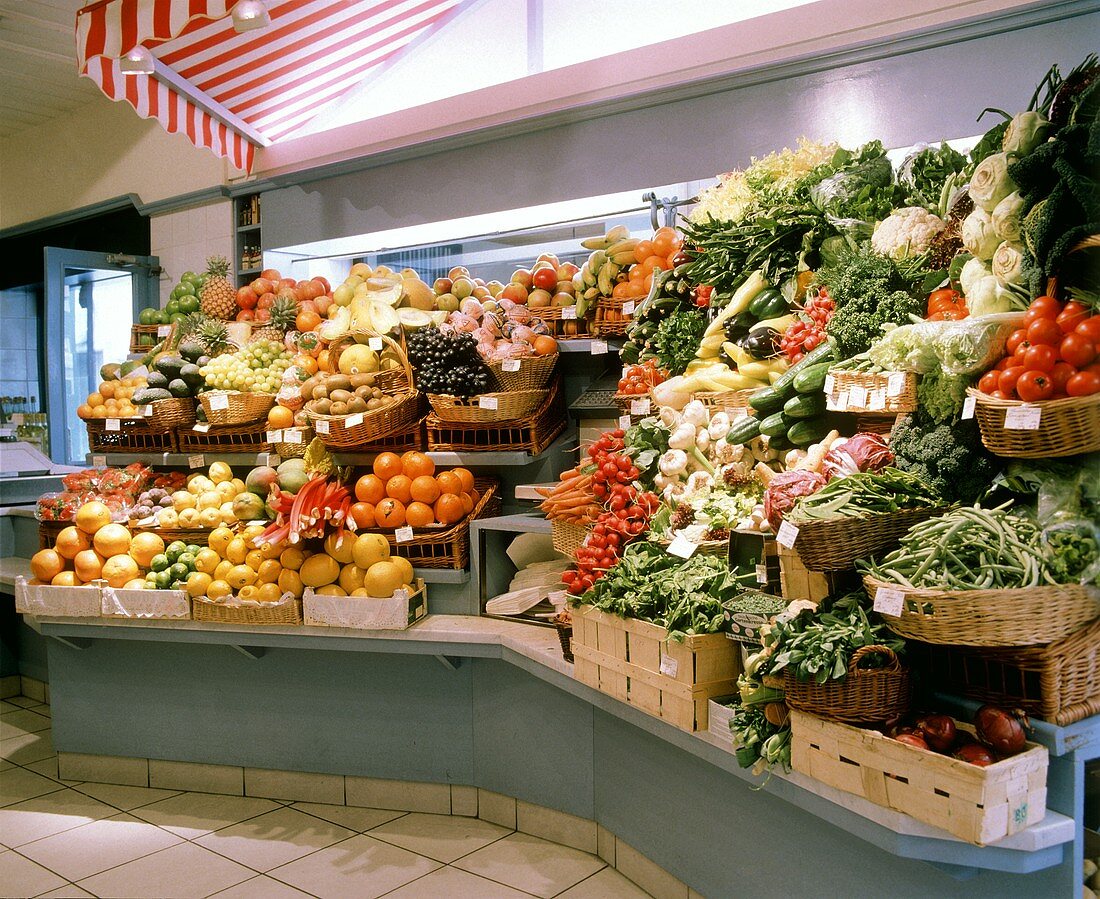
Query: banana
591	293
619	232
578	283
623	246
596	260
595	243
613	267
624	258
586	274
606	280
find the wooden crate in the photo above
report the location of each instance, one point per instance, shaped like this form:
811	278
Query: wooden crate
979	805
634	661
799	582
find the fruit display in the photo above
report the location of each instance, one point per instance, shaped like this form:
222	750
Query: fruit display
114	399
206	501
357	565
624	267
117	488
367	302
669	292
345	394
217	297
95	548
256	368
173	377
459	285
448	363
502	328
405	490
232	565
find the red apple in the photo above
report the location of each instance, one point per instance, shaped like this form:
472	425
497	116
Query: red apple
265	301
479	282
566	271
323	282
545	278
481	292
442	286
287	282
246	298
462	288
522	276
517	293
538	298
459	271
263	315
567	287
246	315
548	258
261	286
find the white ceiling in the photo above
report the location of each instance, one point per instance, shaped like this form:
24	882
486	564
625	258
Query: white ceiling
38	78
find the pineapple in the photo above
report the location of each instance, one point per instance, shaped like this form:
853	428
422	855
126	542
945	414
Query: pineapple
204	336
219	299
283	313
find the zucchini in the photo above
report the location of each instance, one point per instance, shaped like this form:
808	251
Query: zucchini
820	354
810	405
766	401
812	379
804	433
743	431
768	303
775	425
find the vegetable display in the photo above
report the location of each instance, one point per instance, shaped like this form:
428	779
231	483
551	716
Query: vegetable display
865	493
949	456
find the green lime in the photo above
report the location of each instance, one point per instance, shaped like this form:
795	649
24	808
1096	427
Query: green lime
189	304
188	559
151	582
172	306
179	571
160	562
178	318
186	289
194	548
163	579
175	549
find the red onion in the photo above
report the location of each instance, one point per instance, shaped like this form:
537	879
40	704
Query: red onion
974	753
938	731
912	740
1001	731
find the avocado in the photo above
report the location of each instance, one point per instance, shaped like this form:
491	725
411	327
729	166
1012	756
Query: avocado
190	374
150	395
178	388
170	366
156	379
191	349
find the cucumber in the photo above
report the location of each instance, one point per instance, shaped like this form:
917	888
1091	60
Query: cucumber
775	425
805	406
812	379
743	431
820	354
766	401
804	433
780	443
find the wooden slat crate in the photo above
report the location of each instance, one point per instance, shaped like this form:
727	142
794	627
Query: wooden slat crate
634	661
979	805
799	582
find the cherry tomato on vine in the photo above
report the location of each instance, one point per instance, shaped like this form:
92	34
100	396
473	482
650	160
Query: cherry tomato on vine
1043	307
1089	328
1015	339
1034	386
1006	383
989	381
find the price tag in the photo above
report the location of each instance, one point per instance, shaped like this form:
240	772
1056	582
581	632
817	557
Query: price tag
198	461
628	307
876	400
761	574
201	428
375	343
599	347
352	420
640	407
487	402
625	422
140	372
219	401
568	313
669	666
838	401
164	330
889	601
895	384
830	383
857	396
787	535
403	535
113	424
99	461
292	435
968	407
148	411
274	436
509	365
682	547
320	426
1022	418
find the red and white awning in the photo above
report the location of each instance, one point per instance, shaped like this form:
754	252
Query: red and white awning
231	92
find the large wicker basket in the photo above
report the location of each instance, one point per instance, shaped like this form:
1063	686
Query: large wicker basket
140	333
292	442
875	390
567	536
178	412
561	328
532	434
128	435
610	319
865	696
533	374
1067	427
724	400
509	406
239	408
283	612
1027	616
251	438
835	544
395	381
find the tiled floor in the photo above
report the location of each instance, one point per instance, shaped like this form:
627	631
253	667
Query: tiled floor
64	838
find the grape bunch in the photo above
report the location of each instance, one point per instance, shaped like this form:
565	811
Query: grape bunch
256	368
448	363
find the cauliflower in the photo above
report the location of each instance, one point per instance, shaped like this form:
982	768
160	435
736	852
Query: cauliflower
906	232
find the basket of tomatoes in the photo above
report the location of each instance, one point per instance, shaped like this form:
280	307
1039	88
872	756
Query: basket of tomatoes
1042	399
632	394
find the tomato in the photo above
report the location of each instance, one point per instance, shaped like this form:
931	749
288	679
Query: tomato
1077	350
1006	382
1015	339
1072	315
1022	347
1084	383
1034	386
1045	307
1060	374
989	381
1089	328
1041	358
1001	395
1003	364
1044	331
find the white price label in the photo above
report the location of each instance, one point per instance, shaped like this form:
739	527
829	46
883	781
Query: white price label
682	547
320	426
838	401
640	407
857	396
198	461
99	461
148	411
487	402
669	666
164	330
895	384
969	404
830	383
761	574
201	428
510	365
375	343
628	307
568	313
787	535
625	421
403	535
352	420
599	347
291	435
140	372
876	400
889	601
219	401
1022	418
113	424
274	436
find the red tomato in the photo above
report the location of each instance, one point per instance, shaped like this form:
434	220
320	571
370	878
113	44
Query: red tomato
1072	315
1006	382
1022	347
1089	328
1077	350
1015	339
1001	395
1084	383
1044	331
1060	374
1045	307
989	381
1034	386
1003	364
1041	358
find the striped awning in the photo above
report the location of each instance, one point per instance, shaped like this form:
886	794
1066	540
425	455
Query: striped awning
231	92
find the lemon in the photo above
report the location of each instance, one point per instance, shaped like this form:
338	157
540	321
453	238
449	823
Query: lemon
269	593
331	590
254	559
253	531
271	550
341	550
248	591
289	582
319	569
382	579
221	570
240	576
359	591
268	571
237	551
181	500
351	576
238	485
370	548
198	584
292	558
218	589
206	561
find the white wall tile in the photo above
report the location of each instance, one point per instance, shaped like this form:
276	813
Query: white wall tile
558	827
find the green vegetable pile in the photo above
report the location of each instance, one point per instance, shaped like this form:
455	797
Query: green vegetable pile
949	457
677	339
759	742
865	493
942	395
646	441
926	172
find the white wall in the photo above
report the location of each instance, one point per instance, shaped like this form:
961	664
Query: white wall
184	239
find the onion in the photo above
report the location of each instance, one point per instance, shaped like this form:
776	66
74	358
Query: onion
938	731
912	740
1001	731
974	753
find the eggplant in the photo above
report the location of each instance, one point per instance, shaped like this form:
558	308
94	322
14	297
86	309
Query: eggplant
763	343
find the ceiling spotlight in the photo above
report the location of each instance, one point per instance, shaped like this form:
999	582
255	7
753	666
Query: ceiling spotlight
249	14
137	61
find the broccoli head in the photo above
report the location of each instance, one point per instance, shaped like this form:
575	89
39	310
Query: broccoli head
949	456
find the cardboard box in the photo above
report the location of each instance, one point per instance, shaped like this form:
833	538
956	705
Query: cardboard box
395	613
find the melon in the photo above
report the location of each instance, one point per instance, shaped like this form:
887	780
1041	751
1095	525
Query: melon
260	479
414	319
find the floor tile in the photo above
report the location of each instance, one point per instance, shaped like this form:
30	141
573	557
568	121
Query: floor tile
48	768
262	887
439	836
353	817
72	891
124	798
531	864
24	721
43	816
6	705
192	815
185	871
95	847
19	784
497	808
22	877
605	884
42	710
28	748
555	826
362	867
274	839
32	689
24	702
455	884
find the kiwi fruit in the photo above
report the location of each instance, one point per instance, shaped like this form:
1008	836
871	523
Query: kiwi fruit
338	408
363	392
361	379
322	407
339	395
320	392
357	404
338	382
373	404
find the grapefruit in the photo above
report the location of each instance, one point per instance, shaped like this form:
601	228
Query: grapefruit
406	568
66	579
112	540
319	570
370	548
92	516
331	590
289	582
46	564
88	565
340	549
119	569
144	546
382	579
292	558
70	541
351	577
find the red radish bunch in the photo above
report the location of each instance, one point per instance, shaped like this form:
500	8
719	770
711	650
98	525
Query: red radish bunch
613	530
808	332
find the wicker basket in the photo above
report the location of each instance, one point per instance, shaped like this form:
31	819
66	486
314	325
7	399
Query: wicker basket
169	535
393	382
288	612
134	435
873	423
139	331
293	449
1059	682
610	320
241	408
567	536
875	386
562	329
835	544
626	401
411	439
865	696
230	439
174	413
727	400
1067	427
532	434
1027	616
534	373
510	406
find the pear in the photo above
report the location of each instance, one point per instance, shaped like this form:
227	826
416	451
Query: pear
418	295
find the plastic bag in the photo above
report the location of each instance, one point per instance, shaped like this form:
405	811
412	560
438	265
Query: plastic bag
974	344
908	348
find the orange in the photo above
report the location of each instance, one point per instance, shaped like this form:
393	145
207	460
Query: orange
390	513
46	564
88	565
111	540
475	496
306	363
279	417
144	546
466	477
307	320
66	579
362	514
70	541
467	503
119	570
399	487
448	508
324	361
415	463
387	465
419	514
92	516
370	489
449	482
425	489
545	345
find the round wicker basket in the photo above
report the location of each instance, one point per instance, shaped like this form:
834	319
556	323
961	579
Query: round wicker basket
1066	427
487	408
174	413
567	536
234	408
395	381
875	387
835	544
728	400
865	696
533	374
